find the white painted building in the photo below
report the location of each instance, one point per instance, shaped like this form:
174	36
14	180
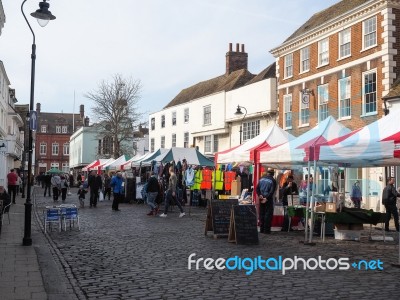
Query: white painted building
11	140
203	115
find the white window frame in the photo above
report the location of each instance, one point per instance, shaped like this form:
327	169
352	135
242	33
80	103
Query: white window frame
152	144
43	148
344	43
186	139
364	94
288	111
215	143
65	167
369	33
43	129
173	118
186	115
173	139
250	130
162	121
288	68
153	123
304	113
323	99
55	149
206	115
344	93
65	129
305	59
207	143
58	129
66	149
162	144
323	52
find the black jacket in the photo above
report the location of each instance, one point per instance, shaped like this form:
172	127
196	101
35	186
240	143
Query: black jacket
287	191
389	195
152	185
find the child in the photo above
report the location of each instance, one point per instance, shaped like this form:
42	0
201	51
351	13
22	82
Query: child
81	193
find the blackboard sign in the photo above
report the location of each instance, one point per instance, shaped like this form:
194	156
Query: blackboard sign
243	225
218	216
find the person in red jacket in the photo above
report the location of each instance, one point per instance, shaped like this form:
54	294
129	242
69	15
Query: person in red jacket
12	179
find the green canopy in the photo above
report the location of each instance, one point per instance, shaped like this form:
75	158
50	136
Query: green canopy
54	171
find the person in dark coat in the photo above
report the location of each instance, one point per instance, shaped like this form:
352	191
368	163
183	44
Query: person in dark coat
95	184
47	184
266	188
389	199
5	197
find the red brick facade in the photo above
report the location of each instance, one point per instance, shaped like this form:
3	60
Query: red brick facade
353	66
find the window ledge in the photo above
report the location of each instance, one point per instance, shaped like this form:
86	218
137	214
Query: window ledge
324	65
289	128
366	49
304	125
344	57
206	125
369	114
344	118
284	78
304	72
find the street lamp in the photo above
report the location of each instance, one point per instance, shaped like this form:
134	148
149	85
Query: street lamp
24	156
43	15
239	113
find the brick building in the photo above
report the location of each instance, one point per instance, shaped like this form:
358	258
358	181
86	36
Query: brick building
52	138
341	62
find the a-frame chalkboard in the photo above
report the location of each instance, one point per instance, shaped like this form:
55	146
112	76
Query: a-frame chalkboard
243	225
218	217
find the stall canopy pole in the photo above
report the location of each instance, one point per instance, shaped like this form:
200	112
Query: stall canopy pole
307	202
313	201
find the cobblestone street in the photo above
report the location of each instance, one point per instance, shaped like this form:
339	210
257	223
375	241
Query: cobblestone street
128	255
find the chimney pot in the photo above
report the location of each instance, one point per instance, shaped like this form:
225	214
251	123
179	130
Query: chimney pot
38	107
230	47
243	48
237	47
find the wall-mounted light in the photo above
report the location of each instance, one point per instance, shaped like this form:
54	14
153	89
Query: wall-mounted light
305	95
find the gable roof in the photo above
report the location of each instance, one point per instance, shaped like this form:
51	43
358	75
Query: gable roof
394	91
268	72
221	83
326	15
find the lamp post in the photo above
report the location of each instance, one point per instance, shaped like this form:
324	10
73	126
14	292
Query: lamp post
43	15
24	157
239	113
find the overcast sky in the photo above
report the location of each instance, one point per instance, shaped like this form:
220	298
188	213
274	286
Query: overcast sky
168	44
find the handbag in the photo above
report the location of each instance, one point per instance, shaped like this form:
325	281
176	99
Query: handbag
101	196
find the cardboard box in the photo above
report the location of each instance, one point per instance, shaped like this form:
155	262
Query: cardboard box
330	207
236	188
356	226
321	207
342	226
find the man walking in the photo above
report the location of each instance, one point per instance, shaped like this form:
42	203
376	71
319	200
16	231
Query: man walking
266	188
47	184
12	179
389	199
152	192
56	185
116	184
171	194
94	183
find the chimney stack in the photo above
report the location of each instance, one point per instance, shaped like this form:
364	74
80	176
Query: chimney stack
86	122
236	60
38	107
82	111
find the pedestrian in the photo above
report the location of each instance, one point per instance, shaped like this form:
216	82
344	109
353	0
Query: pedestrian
12	179
107	187
152	193
19	184
266	188
288	189
81	196
94	183
171	194
64	187
71	180
79	179
389	199
56	186
6	199
355	194
117	188
47	184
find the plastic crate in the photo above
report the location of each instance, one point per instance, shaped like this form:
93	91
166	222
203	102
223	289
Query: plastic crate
347	235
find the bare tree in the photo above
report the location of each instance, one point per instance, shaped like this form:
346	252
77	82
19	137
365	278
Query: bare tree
116	112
